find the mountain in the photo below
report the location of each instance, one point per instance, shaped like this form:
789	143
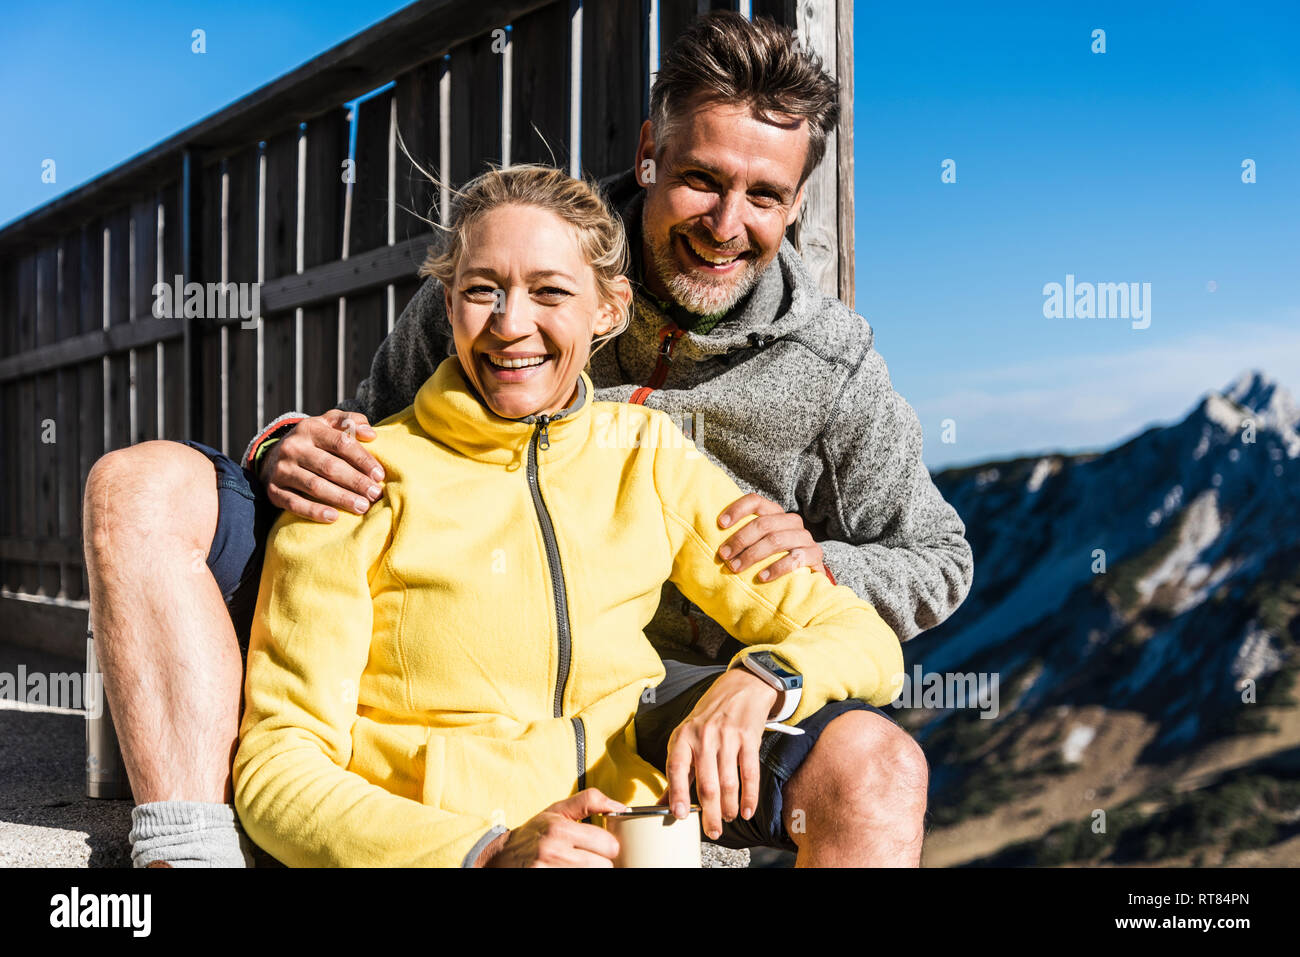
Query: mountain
1138	608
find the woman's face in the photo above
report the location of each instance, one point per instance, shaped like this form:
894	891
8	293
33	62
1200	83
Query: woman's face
523	308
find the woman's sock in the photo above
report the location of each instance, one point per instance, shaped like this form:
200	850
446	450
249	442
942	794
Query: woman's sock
188	834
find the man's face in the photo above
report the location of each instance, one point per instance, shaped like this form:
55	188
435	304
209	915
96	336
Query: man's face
722	195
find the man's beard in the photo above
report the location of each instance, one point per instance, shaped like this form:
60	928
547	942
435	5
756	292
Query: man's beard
697	293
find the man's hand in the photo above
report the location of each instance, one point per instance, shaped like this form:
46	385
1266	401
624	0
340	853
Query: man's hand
775	530
556	837
321	464
719	736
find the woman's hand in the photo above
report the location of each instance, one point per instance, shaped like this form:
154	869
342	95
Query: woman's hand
320	464
719	736
775	530
557	837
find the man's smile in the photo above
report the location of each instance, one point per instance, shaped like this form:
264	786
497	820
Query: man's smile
706	258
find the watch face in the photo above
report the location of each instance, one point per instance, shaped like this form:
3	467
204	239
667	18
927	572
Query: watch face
777	667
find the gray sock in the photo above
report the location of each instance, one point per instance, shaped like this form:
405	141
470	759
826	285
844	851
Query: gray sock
188	834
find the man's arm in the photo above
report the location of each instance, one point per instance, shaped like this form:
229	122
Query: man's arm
315	465
420	340
895	540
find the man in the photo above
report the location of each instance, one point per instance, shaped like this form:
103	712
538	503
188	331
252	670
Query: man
779	385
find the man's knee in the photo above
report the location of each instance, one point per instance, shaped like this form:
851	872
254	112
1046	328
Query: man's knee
154	486
863	764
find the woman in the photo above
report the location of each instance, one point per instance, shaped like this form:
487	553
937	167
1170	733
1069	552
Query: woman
426	681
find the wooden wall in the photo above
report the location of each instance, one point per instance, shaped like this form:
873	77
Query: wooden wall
260	193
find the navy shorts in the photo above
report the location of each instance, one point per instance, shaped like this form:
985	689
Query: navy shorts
779	755
244	519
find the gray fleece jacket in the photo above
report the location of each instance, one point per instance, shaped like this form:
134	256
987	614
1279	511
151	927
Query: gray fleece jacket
787	395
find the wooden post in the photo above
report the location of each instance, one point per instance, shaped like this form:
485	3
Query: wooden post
818	220
844	157
189	183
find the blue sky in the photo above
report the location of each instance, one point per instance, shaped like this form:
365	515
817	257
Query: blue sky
1123	166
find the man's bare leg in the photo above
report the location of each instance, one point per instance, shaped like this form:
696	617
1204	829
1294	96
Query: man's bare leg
859	798
173	673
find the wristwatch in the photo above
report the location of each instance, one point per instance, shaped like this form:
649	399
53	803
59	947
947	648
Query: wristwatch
779	675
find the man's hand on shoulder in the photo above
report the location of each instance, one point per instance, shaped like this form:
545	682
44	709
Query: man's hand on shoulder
320	466
775	530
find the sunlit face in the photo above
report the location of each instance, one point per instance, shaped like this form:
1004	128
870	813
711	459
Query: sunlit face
523	308
721	198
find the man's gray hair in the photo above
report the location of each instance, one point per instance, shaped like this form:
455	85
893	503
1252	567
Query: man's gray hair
724	57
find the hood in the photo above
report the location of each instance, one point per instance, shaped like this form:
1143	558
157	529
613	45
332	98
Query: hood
784	300
449	409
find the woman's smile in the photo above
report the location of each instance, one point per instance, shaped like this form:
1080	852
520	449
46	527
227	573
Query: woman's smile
515	367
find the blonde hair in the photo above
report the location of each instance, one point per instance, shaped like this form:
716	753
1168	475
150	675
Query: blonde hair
602	240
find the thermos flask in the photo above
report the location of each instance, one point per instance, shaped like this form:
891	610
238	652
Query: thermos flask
105	773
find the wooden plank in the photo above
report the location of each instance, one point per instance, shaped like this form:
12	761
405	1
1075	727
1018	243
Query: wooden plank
419	125
279	353
326	197
782	11
412	35
674	17
119	313
173	351
419	122
403	291
818	220
69	411
51	627
25	430
343	277
10	571
369	216
614	73
843	158
475	108
90	375
42	549
8	326
145	331
144	275
243	171
46	420
366	329
366	314
539	89
209	392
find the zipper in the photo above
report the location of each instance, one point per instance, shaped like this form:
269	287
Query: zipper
541	439
580	736
668	337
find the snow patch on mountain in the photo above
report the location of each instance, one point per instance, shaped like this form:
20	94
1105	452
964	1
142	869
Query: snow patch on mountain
1076	742
1256	655
1200	528
1043	470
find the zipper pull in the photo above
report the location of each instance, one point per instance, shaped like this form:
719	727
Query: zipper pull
543	439
666	348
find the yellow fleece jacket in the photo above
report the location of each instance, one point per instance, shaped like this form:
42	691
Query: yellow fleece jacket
471	650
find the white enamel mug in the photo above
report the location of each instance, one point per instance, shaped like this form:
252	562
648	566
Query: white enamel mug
653	837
